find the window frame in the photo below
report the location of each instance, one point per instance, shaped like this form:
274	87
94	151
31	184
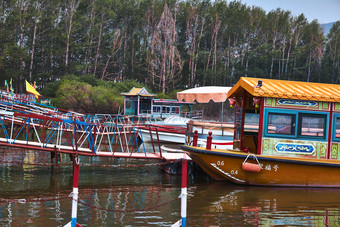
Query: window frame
277	112
301	115
156	109
335	116
298	116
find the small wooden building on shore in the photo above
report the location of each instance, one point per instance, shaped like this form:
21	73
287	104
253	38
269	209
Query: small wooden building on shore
138	101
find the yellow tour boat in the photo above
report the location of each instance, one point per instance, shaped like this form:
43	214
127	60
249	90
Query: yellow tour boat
286	133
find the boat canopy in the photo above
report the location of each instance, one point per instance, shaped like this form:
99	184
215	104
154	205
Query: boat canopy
286	89
204	94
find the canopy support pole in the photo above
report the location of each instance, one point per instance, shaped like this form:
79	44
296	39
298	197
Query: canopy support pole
222	117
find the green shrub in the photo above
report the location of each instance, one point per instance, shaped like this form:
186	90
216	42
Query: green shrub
87	94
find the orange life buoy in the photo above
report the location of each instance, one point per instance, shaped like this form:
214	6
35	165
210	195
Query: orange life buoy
251	167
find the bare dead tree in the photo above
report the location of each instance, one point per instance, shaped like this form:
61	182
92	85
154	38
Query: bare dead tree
192	27
213	42
167	63
150	30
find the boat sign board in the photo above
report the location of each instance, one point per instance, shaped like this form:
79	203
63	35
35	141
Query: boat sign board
297	102
295	148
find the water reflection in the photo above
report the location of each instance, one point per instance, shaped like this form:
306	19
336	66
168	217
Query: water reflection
122	195
127	196
268	206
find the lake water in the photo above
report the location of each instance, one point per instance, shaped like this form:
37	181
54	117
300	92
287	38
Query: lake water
136	193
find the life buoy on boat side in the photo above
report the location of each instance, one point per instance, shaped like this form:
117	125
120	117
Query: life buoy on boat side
251	167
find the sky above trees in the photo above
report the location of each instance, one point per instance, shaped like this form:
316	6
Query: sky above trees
324	11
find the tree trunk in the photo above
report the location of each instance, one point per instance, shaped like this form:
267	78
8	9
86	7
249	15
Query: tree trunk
309	60
116	44
89	48
191	36
272	62
69	12
33	49
98	48
24	8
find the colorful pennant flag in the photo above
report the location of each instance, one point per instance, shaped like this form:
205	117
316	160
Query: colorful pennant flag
6	84
32	90
12	91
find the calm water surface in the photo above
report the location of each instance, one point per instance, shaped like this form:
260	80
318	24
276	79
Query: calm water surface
136	193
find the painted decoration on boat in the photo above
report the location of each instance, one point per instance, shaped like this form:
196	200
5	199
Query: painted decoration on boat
300	103
297	104
336	107
335	150
294	148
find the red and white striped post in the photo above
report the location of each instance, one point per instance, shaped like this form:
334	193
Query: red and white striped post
75	192
73	222
183	196
184	192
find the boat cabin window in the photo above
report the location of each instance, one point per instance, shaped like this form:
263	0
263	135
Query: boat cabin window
156	109
337	127
166	109
251	123
312	125
279	123
175	109
296	124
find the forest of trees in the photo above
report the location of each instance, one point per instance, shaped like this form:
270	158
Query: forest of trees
165	45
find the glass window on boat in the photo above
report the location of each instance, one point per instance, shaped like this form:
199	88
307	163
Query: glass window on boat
281	123
337	127
251	122
175	109
166	109
312	125
156	109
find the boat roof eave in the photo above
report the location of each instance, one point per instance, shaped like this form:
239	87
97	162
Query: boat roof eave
287	89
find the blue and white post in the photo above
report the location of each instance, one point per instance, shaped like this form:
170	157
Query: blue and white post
184	192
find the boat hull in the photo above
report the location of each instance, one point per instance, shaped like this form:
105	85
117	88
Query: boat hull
275	171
